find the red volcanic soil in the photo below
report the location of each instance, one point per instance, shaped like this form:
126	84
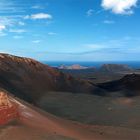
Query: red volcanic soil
8	109
7	114
35	124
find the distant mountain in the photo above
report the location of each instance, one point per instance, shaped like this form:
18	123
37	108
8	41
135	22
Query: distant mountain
73	67
78	72
129	85
30	80
115	68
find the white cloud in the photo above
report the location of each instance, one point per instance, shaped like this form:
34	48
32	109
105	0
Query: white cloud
119	6
11	6
90	12
36	41
11	21
108	21
41	16
2	27
7	21
38	16
19	31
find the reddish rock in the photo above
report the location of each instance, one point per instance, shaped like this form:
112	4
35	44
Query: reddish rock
8	110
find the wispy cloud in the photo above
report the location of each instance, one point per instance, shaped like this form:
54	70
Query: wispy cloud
38	16
52	33
37	7
2	27
110	45
13	14
94	46
7	21
21	23
11	21
17	37
36	41
120	6
89	12
8	6
19	31
2	34
109	21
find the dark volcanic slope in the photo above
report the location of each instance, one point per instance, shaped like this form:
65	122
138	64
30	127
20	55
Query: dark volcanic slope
129	85
30	80
31	123
113	68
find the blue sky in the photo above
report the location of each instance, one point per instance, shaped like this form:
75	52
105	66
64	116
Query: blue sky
71	30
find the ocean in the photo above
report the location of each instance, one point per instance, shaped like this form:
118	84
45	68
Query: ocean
97	64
